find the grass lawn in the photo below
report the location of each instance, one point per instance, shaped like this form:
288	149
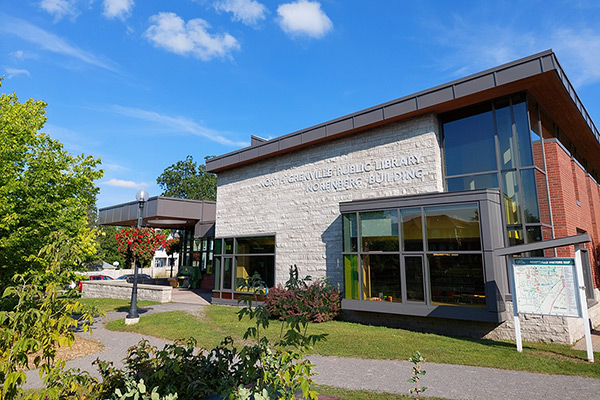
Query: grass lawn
348	394
106	305
361	341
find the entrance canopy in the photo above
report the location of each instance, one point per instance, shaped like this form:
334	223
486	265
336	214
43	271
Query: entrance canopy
164	212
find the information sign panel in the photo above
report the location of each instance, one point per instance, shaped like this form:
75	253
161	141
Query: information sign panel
546	286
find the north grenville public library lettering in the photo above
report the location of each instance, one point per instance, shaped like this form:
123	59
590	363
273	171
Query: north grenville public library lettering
352	176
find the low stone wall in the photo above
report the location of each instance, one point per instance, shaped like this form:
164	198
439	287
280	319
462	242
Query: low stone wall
544	328
154	272
122	290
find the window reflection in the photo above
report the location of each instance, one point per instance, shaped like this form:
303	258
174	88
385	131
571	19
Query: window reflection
350	232
530	199
247	266
452	228
351	276
510	189
469	141
412	229
473	182
504	127
256	245
414	278
457	279
379	230
381	277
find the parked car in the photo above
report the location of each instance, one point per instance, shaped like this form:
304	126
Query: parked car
94	278
142	278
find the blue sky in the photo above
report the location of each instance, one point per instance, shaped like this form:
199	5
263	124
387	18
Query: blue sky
143	83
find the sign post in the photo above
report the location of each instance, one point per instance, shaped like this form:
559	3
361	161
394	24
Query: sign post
583	303
549	286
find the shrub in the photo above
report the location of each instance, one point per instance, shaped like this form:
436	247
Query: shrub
317	301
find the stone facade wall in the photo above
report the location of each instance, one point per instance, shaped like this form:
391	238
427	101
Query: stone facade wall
122	290
296	196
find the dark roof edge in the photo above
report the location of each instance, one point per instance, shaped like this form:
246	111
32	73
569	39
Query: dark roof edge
154	198
402	106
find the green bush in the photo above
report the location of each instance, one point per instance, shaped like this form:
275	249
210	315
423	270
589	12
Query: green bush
317	301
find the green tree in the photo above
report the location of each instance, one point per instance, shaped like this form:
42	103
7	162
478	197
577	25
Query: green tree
108	249
43	189
187	180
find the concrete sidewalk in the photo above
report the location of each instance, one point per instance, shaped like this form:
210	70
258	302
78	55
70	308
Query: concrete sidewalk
443	380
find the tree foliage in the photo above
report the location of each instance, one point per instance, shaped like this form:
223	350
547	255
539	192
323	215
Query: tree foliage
43	189
188	180
108	248
35	320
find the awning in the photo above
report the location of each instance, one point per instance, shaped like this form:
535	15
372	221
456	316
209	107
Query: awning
164	212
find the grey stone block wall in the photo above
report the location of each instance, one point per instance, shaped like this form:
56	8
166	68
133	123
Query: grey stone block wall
296	196
122	290
544	328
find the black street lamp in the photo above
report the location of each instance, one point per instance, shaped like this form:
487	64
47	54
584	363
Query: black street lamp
133	317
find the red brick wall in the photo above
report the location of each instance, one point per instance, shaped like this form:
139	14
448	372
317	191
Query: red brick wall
568	183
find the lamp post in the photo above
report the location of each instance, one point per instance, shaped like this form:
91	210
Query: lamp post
133	317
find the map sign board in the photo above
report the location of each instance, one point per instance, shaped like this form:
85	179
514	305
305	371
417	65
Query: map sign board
545	286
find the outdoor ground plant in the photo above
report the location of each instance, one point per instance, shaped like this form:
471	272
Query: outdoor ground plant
261	369
315	300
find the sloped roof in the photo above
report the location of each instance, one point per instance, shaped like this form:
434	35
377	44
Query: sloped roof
540	74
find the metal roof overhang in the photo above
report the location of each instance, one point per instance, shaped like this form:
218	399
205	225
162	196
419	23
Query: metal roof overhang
539	74
164	212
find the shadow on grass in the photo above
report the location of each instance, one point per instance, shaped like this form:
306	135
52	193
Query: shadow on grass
139	310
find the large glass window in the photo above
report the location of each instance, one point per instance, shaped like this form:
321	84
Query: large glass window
381	277
350	232
379	230
469	141
453	228
515	150
439	261
242	258
457	279
412	229
351	276
247	266
413	266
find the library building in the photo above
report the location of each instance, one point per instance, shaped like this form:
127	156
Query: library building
404	205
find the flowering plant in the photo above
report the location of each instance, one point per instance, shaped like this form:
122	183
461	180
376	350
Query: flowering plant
140	243
171	246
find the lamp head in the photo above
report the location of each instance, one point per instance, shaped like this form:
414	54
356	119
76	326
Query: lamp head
141	196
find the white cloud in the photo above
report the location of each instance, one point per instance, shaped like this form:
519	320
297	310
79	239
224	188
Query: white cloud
124	184
304	18
249	12
19	54
118	8
178	124
12	72
173	34
481	45
50	42
581	53
60	8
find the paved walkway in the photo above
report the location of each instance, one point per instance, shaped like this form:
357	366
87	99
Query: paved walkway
581	345
442	380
